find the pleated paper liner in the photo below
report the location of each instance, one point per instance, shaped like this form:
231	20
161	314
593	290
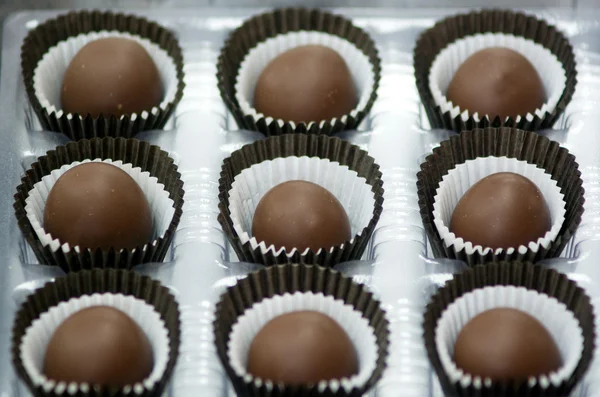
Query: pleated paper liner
289	279
502	142
518	274
449	30
300	145
86	283
262	27
141	154
50	33
460	179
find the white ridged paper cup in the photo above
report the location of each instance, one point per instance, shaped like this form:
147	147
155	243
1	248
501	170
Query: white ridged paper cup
447	62
48	75
259	57
356	326
552	314
249	187
458	180
37	337
161	206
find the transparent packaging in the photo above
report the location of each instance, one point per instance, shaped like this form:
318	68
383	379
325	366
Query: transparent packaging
398	265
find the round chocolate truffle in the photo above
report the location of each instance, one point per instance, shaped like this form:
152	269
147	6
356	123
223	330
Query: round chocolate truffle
98	205
302	347
506	344
502	210
300	214
111	76
497	82
307	83
99	345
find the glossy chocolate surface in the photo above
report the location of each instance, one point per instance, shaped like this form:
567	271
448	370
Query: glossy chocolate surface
307	83
506	344
302	347
300	214
111	76
99	345
500	211
497	81
97	205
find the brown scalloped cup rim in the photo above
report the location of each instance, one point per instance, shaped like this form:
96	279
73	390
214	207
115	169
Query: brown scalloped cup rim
448	30
141	154
520	274
89	282
53	31
280	21
297	145
282	279
501	142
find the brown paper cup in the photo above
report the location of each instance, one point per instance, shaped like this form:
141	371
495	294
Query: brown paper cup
502	142
356	169
132	151
285	280
286	21
85	284
47	36
452	29
552	289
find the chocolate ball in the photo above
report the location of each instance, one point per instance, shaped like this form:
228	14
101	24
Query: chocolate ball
502	210
506	344
302	347
307	83
113	77
300	214
98	205
497	82
99	345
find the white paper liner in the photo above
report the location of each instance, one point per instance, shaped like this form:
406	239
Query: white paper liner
448	61
249	187
260	56
37	336
554	315
456	183
48	75
161	206
357	327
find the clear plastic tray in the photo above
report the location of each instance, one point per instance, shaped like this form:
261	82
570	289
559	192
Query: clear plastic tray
398	265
